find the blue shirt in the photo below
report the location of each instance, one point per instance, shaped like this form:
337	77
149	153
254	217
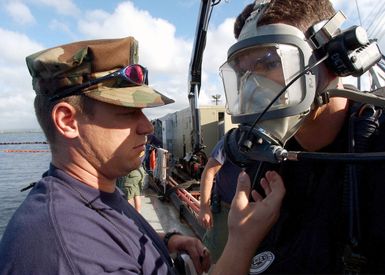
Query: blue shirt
67	227
227	176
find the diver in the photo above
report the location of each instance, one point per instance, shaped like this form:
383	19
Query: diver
283	85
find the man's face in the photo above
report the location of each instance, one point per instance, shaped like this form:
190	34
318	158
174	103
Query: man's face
113	139
258	75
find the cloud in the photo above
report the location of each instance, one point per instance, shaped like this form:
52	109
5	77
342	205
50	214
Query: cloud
158	44
14	47
57	25
219	40
16	94
20	13
166	55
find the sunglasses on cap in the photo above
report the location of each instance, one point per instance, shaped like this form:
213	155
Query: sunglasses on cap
132	75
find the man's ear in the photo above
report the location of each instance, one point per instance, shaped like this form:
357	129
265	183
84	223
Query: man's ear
64	119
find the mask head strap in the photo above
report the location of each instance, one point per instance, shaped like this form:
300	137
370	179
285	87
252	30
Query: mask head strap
259	9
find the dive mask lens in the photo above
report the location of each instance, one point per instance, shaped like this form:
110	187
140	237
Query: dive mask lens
253	77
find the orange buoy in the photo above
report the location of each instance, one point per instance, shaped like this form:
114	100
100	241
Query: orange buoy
152	160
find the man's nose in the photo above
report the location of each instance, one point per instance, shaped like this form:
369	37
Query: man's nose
145	127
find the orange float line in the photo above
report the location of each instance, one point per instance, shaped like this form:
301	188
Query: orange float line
23	142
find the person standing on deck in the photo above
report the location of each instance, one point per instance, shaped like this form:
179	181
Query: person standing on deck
215	198
132	186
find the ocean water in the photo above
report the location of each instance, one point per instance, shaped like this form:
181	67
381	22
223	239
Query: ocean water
20	165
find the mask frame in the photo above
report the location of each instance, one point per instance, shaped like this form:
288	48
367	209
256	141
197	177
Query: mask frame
280	34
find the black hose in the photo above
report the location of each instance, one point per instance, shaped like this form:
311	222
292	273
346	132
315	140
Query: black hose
345	157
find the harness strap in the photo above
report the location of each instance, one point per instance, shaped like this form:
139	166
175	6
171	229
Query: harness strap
362	125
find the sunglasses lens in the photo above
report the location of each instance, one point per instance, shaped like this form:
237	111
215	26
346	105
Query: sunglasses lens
135	74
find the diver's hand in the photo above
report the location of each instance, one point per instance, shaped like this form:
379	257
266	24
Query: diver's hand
249	222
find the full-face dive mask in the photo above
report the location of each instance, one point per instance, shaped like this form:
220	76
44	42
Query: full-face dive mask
270	80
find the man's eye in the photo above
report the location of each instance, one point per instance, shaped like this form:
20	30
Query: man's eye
273	64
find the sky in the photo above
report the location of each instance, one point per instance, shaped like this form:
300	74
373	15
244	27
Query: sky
165	30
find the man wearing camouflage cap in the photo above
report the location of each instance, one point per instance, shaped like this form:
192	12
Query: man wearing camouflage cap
74	221
89	100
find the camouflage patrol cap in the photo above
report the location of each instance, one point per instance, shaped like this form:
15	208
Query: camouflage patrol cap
59	68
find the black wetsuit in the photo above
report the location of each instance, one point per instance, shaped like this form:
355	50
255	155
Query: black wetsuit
310	235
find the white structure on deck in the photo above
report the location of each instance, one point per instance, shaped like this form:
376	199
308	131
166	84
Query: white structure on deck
176	129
